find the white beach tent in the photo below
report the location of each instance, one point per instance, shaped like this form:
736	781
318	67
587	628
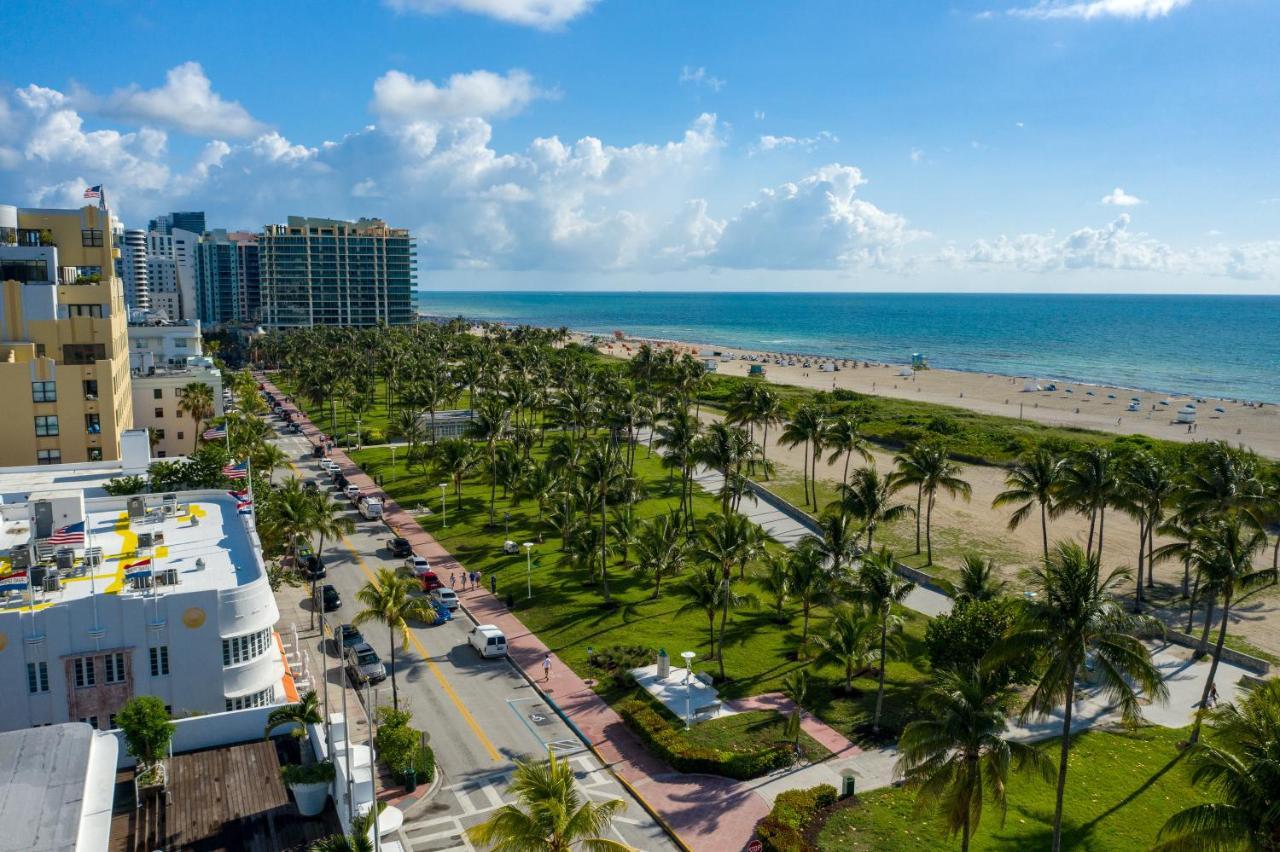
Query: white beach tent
906	371
1186	414
1030	386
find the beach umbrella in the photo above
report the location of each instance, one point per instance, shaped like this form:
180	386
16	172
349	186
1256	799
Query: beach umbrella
1111	396
1069	390
1088	393
1135	399
1220	410
1164	402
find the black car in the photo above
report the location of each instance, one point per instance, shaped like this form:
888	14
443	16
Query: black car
347	636
312	567
329	599
399	547
340	481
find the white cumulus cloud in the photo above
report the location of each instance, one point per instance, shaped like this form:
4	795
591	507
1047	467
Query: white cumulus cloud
701	77
401	97
773	143
540	14
186	102
1088	10
1119	198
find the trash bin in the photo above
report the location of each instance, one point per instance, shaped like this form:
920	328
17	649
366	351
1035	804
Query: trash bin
664	664
410	779
847	783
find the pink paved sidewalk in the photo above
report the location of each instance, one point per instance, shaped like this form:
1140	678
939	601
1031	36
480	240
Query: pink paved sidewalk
707	812
837	743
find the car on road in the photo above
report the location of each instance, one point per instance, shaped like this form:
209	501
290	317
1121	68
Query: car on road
329	598
488	640
430	582
328	465
340	482
364	665
347	636
416	565
312	566
399	547
310	485
445	596
352	492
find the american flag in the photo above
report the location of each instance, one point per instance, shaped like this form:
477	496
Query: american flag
93	192
70	534
231	470
215	433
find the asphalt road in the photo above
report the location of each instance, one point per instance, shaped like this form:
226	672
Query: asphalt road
481	715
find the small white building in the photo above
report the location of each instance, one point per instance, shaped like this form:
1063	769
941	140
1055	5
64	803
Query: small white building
157	399
165	595
168	345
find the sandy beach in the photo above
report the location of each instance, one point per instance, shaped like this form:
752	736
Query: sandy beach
1073	404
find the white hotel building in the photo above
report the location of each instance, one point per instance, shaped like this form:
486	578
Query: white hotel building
83	638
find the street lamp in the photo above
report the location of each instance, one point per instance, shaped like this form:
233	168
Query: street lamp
444	509
528	569
688	667
506	524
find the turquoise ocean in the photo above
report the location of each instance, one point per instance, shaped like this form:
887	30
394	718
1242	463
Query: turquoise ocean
1222	346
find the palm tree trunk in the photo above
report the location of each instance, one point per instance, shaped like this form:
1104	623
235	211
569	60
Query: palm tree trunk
1208	623
928	528
804	472
724	614
964	832
1062	762
884	642
764	461
804	626
1213	667
1102	525
1151	551
493	481
845	479
919	505
1186	577
395	692
1191	600
1142	543
604	547
1093	519
1044	530
813	478
711	629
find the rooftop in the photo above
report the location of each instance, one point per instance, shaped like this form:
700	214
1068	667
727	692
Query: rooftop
206	541
52	796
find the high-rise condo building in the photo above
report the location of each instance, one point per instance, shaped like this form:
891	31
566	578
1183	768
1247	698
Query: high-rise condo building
133	268
331	272
190	220
171	273
217	278
64	351
248	268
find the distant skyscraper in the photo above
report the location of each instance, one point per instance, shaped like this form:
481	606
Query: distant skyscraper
217	279
133	270
332	272
190	220
249	283
171	273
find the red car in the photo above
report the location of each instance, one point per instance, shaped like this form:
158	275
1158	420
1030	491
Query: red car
430	581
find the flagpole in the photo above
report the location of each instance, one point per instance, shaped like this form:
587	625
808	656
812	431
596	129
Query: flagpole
93	591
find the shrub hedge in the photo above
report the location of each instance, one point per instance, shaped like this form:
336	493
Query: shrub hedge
782	830
670	745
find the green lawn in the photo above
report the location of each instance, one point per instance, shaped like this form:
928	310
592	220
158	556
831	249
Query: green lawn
566	612
1121	787
752	731
373	422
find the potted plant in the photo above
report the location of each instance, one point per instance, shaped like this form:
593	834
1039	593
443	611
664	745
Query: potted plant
298	717
309	784
147	734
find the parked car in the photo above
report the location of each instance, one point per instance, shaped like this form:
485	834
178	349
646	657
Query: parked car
416	565
310	485
340	482
347	636
328	465
399	547
352	492
312	567
488	640
430	582
364	665
329	598
445	596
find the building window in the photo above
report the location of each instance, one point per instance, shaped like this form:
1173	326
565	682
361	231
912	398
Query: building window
91	721
111	722
92	424
46	425
160	661
83	354
159	413
90	388
37	677
157	393
44	391
114	664
95	454
48	456
257	699
91	237
179	436
242	649
85	311
82	668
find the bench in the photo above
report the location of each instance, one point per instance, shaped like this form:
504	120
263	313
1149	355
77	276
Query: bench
703	679
711	709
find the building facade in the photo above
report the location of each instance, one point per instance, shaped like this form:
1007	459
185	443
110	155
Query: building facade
171	273
332	272
64	364
187	220
133	269
249	281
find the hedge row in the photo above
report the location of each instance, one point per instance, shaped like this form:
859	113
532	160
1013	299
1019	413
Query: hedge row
670	745
793	811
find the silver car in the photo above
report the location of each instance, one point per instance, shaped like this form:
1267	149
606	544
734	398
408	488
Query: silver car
364	665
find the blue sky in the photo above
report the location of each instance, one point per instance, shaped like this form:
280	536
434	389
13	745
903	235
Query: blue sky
1038	145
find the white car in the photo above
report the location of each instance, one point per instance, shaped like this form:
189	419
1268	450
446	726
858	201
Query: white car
328	465
417	565
488	640
352	492
446	597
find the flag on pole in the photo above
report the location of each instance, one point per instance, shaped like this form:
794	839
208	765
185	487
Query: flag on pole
13	582
244	501
215	433
93	192
231	470
71	534
138	570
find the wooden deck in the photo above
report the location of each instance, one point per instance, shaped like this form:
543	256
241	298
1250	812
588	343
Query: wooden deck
219	799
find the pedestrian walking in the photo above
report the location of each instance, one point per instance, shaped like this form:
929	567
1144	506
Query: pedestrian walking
479	580
452	581
546	668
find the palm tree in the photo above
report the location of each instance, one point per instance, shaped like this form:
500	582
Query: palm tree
359	840
878	588
729	540
1145	490
603	473
197	402
810	582
766	411
1240	770
724	448
957	755
930	469
844	438
456	458
661	549
389	600
549	815
869	498
1032	483
705	590
795	686
1089	485
978	580
676	439
489	424
807	427
1223	552
305	712
776	582
850	642
329	521
838	542
1074	618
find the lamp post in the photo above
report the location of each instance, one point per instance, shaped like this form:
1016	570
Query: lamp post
528	569
506	525
444	508
688	667
393	462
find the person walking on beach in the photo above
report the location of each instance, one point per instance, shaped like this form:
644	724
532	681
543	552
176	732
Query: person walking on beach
546	668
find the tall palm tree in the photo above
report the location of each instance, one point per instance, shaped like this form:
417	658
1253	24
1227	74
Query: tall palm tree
728	540
305	712
766	411
723	448
1145	490
850	642
1074	617
705	590
932	470
868	496
456	458
911	464
1223	552
604	474
389	600
197	403
330	521
957	755
1240	770
1032	483
676	439
978	579
844	438
806	427
549	814
810	582
1089	485
489	424
838	541
661	549
878	588
775	581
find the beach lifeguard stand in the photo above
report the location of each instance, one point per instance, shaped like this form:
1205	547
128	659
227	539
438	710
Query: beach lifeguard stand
918	361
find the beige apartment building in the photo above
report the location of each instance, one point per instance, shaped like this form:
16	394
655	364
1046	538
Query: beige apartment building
64	349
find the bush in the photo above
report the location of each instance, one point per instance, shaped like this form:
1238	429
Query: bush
782	830
669	744
307	773
401	746
959	639
615	662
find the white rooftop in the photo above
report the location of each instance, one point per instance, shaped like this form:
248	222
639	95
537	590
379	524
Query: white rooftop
206	527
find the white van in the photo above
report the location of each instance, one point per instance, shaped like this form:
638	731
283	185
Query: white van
488	640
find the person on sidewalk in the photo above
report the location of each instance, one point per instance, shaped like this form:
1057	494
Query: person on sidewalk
546	668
